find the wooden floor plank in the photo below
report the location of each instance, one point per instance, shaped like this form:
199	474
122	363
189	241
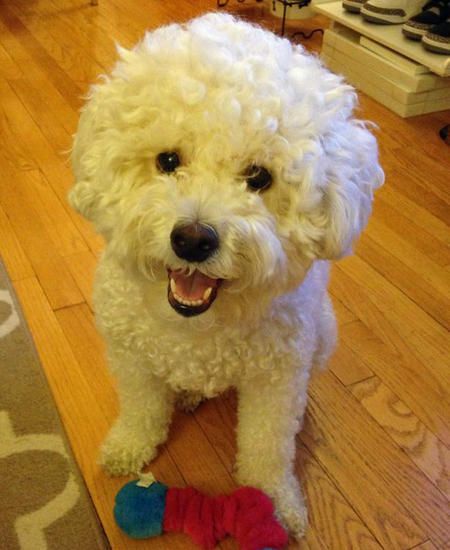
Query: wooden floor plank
57	125
217	419
421	280
35	73
82	68
343	313
35	151
348	366
417	213
32	191
83	30
404	375
411	435
330	514
82	268
29	223
418	190
25	152
393	132
410	221
422	166
62	82
8	69
404	245
11	252
77	323
205	471
387	483
427	545
109	21
14	153
406	325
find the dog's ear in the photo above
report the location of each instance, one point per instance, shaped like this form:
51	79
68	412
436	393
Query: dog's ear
91	195
83	196
353	173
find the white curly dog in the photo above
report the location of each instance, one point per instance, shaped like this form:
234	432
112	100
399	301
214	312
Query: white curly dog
224	168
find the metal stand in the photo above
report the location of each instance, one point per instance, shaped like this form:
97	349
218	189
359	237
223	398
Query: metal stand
286	4
223	3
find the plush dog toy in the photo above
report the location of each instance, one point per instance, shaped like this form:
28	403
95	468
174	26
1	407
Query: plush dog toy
145	508
224	168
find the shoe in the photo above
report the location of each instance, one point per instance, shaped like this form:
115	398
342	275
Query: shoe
437	39
445	134
391	12
433	13
353	6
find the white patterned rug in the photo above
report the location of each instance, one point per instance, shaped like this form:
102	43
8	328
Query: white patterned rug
43	501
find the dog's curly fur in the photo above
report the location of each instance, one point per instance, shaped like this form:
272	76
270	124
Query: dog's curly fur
224	95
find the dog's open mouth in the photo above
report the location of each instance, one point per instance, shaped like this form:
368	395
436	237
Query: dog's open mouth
193	294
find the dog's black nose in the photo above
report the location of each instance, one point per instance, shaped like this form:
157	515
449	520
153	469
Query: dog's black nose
194	242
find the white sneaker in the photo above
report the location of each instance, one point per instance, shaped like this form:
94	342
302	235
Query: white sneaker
391	12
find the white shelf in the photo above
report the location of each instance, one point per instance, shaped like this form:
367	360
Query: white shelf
389	35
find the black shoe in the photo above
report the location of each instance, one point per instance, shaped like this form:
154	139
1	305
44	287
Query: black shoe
437	39
432	14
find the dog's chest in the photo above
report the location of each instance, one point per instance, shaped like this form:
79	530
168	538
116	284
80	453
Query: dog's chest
205	364
210	363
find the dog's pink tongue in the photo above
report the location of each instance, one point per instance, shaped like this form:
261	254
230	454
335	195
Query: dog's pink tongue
192	287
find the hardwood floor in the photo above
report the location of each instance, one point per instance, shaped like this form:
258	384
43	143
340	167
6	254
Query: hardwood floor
373	456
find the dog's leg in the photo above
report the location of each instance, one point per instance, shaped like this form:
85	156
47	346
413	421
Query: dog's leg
326	334
268	420
146	405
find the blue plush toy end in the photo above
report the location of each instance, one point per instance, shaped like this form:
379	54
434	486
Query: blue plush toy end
139	511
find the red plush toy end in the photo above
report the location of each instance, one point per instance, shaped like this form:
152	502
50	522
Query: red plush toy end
247	515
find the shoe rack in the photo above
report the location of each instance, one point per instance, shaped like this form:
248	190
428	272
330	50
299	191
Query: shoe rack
380	61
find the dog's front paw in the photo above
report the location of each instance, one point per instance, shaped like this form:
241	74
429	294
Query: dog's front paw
294	518
125	452
287	498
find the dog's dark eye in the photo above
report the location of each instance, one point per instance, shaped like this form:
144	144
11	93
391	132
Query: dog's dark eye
258	178
168	161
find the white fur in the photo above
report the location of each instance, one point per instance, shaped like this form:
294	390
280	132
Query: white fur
224	94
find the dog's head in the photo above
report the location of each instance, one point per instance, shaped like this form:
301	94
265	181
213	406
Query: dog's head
222	160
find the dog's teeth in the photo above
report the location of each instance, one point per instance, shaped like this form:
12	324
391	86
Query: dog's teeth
173	286
178	298
187	302
191	303
207	293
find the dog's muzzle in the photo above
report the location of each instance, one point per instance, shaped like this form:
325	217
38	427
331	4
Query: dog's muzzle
192	294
